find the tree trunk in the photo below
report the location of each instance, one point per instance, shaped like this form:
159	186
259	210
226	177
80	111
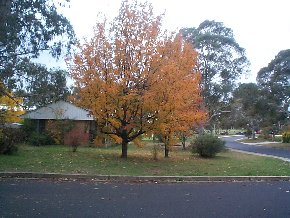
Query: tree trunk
166	140
183	142
124	149
166	149
253	134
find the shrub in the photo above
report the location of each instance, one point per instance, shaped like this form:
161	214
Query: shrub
286	137
248	133
8	139
29	127
58	128
266	133
277	139
207	145
7	146
38	139
155	152
75	143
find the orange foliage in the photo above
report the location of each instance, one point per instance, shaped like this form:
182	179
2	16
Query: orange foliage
10	107
177	91
138	142
134	79
178	88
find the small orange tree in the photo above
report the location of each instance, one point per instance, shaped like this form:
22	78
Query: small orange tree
121	73
177	93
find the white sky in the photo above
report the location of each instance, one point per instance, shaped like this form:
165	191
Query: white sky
262	27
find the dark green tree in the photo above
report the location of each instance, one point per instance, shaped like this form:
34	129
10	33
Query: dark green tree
275	80
41	86
246	106
27	28
221	62
254	106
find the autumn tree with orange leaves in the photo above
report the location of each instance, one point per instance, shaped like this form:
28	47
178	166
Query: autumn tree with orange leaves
177	95
134	78
10	108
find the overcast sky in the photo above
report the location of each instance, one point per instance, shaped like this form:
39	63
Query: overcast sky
261	27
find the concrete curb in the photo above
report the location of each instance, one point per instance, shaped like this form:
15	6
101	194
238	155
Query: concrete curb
140	179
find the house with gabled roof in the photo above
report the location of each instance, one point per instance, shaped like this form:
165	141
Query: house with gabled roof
83	122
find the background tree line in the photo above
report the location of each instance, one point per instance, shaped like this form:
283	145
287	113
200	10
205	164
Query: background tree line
28	28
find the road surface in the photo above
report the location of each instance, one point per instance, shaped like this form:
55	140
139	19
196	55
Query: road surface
47	198
232	143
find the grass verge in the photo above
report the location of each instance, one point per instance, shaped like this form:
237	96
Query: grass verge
107	161
284	146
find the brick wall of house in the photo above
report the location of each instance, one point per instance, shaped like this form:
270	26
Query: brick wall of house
80	132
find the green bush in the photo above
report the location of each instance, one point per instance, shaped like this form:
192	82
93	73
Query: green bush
286	137
8	139
266	133
207	145
75	143
38	139
29	127
277	139
155	152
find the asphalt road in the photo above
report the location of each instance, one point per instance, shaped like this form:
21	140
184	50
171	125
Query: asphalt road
232	143
45	198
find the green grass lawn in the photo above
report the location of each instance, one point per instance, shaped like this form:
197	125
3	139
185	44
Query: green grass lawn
107	161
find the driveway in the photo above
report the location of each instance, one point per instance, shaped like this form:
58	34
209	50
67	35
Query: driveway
45	198
231	142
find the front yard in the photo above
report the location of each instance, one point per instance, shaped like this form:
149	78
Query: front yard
107	161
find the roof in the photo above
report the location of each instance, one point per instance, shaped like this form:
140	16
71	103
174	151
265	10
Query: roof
58	111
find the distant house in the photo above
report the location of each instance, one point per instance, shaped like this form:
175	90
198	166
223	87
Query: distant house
83	122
